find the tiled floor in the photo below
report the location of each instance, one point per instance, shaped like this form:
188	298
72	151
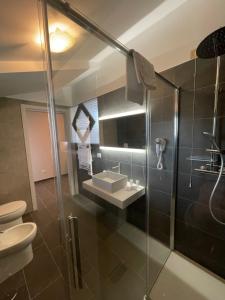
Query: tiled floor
112	266
47	267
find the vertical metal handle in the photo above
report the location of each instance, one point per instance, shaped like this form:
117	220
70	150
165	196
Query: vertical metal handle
75	249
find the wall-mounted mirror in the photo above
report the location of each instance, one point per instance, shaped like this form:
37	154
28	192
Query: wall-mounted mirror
125	132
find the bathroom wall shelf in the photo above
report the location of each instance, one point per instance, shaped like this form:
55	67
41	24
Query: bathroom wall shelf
209	172
215	151
122	198
199	158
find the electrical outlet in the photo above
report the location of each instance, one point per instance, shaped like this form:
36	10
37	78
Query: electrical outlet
99	155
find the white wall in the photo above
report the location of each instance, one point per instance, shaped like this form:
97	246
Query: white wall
40	144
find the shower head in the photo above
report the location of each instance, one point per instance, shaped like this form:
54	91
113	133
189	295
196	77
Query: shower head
213	45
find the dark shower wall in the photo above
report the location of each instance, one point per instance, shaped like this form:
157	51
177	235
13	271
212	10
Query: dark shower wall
162	110
162	105
197	235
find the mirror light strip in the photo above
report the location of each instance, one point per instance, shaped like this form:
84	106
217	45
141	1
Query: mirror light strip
122	149
119	115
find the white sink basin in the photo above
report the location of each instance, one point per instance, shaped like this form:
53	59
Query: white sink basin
109	181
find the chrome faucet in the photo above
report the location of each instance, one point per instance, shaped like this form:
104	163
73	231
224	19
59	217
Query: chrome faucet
117	167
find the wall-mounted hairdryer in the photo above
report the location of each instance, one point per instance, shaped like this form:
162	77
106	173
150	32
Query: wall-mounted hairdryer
160	148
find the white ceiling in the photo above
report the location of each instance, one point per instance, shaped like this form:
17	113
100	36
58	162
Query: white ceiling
20	24
164	31
115	16
21	57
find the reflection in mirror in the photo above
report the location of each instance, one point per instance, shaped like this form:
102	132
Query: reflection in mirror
123	132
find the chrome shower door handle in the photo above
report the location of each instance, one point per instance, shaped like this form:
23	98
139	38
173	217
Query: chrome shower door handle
75	250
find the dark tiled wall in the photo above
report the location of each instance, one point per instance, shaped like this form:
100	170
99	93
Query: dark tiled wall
134	164
131	164
162	108
114	102
197	235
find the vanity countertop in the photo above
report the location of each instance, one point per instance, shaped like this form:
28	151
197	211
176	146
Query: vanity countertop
121	198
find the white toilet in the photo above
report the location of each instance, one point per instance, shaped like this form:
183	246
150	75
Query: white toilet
16	248
11	214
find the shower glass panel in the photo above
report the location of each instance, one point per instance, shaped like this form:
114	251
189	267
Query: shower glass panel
103	189
161	166
29	260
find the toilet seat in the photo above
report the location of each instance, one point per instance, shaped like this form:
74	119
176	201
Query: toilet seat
11	211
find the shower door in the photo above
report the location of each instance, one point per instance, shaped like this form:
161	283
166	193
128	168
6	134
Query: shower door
104	231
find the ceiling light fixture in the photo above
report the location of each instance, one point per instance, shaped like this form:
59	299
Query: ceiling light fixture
60	39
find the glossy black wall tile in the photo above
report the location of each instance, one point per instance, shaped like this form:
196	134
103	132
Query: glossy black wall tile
161	180
182	75
197	215
167	158
197	234
162	111
159	226
160	201
205	72
222	69
201	247
164	129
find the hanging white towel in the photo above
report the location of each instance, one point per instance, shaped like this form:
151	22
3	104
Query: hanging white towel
85	157
84	150
140	76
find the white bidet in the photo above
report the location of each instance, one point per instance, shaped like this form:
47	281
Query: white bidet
16	248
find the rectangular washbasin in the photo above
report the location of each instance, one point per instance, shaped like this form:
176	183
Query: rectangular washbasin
109	181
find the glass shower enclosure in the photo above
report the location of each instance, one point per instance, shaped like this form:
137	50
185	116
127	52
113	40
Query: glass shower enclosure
120	156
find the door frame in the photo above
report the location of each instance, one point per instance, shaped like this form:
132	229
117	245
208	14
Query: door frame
41	108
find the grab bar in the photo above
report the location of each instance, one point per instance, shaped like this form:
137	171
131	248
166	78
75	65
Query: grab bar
75	250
